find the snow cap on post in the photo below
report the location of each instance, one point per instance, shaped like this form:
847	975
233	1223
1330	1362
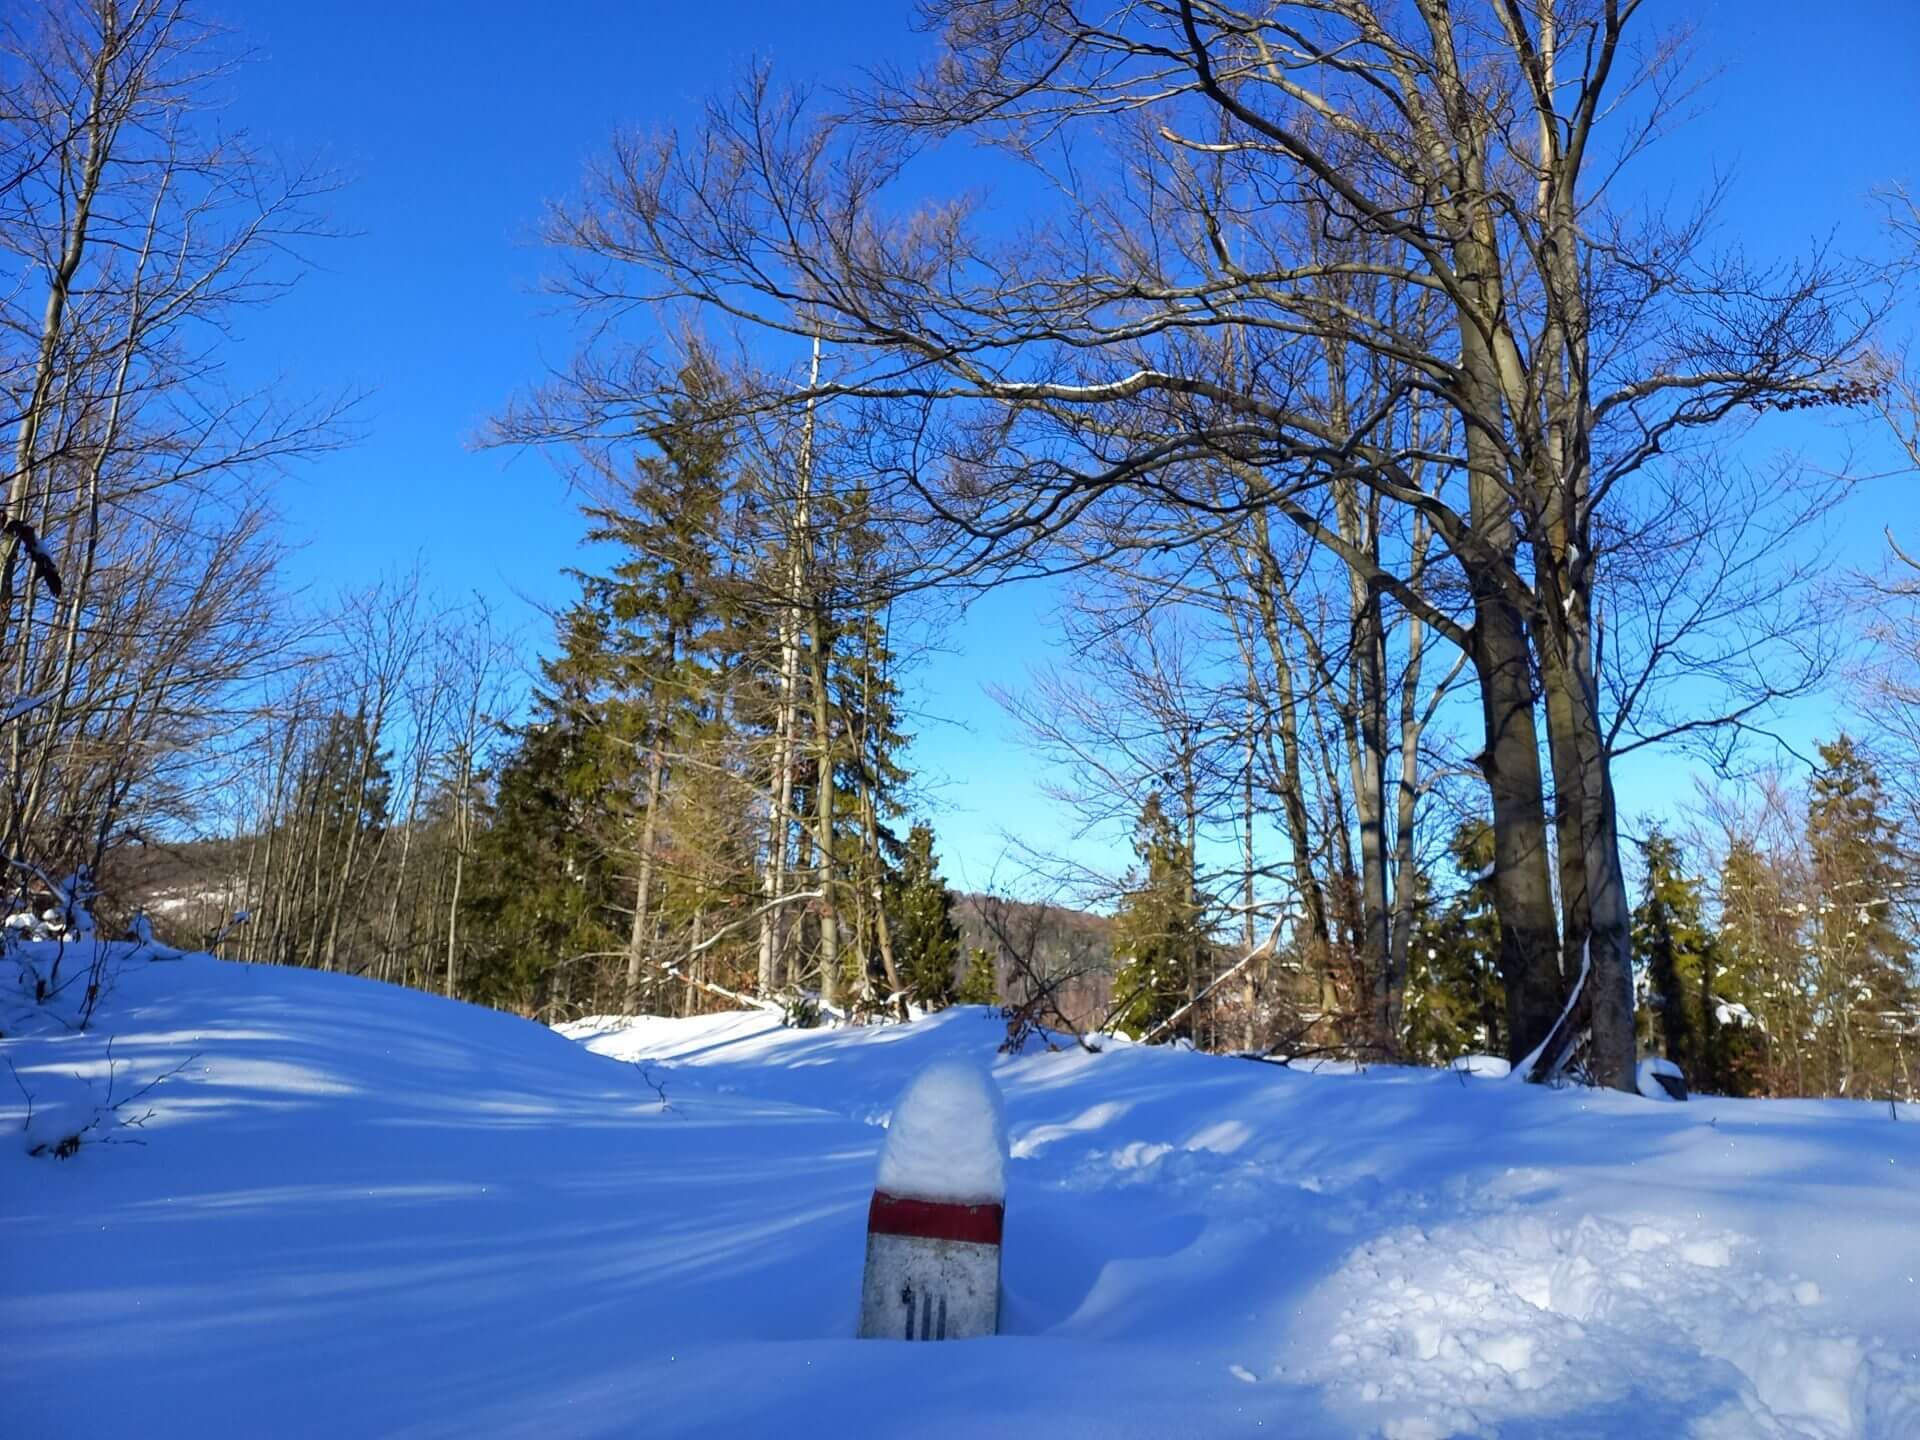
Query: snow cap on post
947	1140
933	1230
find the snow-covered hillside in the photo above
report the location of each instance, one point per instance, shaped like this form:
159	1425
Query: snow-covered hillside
364	1211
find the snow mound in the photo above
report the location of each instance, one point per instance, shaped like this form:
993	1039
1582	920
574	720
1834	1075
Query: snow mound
947	1140
1466	1329
1659	1079
1494	1067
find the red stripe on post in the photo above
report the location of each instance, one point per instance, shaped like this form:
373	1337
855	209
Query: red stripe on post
934	1220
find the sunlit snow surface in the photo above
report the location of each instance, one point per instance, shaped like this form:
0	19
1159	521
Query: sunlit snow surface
364	1211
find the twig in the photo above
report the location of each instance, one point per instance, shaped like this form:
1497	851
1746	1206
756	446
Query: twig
147	1088
652	1084
69	1145
25	1093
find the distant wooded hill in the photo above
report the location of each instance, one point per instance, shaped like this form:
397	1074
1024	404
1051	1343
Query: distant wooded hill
189	889
1037	939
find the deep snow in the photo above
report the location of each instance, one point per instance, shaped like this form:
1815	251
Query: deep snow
360	1210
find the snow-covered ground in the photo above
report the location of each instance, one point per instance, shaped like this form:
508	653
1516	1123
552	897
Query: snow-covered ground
364	1211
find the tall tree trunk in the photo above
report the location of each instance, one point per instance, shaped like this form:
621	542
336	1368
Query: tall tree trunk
779	808
1529	960
883	932
823	809
1266	581
1365	718
1406	858
453	921
1608	958
102	130
1249	982
643	887
786	750
1571	832
1522	883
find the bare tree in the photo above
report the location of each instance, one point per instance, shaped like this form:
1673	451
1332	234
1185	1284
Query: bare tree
137	559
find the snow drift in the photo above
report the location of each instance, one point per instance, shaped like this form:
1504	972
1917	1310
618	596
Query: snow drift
361	1210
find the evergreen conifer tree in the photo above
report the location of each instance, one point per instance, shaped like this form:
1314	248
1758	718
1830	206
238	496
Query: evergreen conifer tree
866	713
981	984
1455	1002
1679	959
1864	960
668	623
543	883
926	938
1156	930
1760	991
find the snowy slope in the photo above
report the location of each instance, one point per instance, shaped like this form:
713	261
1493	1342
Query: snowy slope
361	1211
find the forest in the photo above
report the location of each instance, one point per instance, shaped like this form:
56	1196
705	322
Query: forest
1393	472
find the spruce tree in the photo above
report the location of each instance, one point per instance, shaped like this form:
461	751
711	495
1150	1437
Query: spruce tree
868	850
1761	999
667	624
1865	964
1156	930
1455	1003
981	984
543	889
1676	954
540	895
926	938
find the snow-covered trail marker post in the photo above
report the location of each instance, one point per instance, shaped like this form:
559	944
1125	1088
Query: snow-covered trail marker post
939	1205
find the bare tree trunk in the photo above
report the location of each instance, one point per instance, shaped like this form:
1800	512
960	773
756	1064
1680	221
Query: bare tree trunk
643	887
101	129
1571	832
453	923
1266	581
1249	985
1365	716
1522	886
823	810
786	745
884	932
1607	962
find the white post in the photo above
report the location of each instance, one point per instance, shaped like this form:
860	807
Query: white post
939	1207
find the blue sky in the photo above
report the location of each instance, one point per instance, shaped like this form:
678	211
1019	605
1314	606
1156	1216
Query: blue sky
452	125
